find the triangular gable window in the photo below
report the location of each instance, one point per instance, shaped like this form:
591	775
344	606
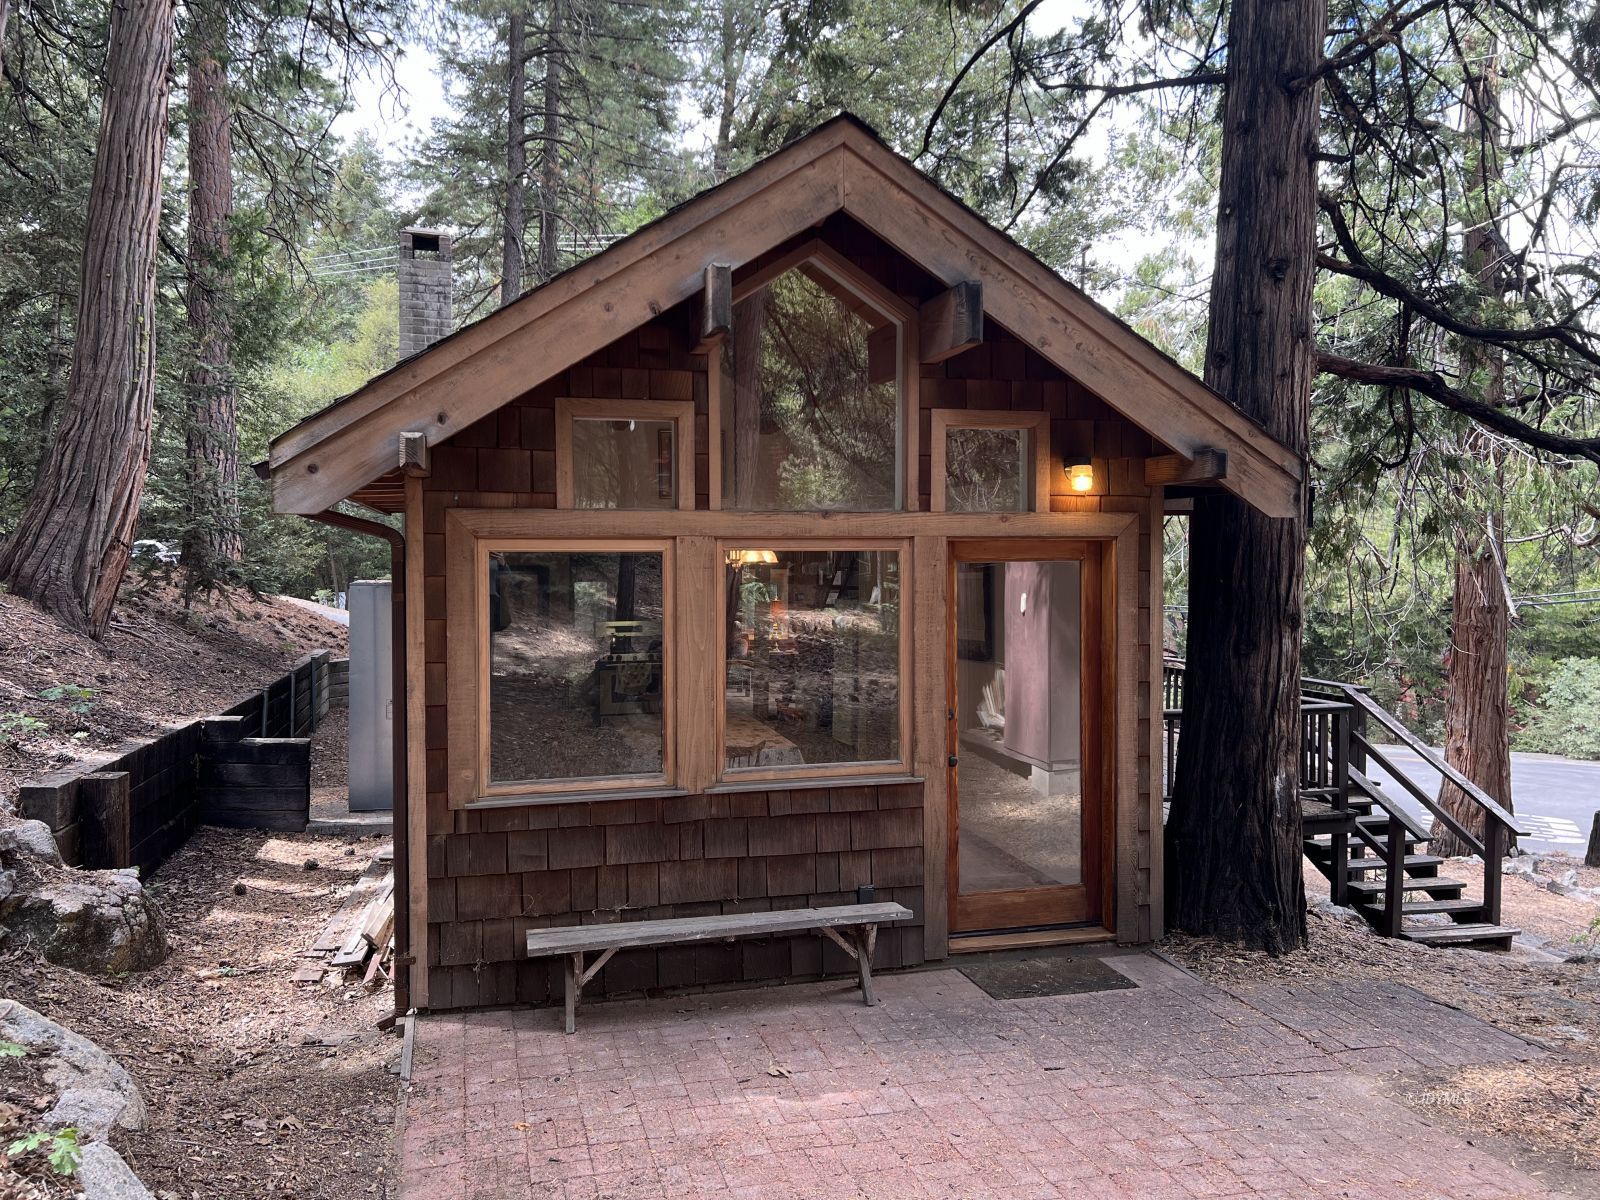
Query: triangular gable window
813	380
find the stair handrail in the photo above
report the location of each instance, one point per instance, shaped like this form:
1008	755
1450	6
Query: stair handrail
1358	696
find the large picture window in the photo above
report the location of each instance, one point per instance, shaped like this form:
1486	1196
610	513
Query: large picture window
577	666
814	670
812	386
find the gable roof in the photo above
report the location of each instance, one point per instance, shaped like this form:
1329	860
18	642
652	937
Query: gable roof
842	166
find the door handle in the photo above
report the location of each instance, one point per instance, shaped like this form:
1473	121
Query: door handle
953	760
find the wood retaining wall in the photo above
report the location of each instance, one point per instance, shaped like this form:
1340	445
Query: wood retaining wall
134	806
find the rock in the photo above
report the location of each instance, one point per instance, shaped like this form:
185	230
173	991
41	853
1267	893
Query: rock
1522	864
100	922
93	1091
311	864
104	1176
239	889
1336	912
29	839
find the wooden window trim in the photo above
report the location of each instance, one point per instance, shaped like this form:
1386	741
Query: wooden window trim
697	634
679	412
873	292
822	772
1036	423
467	600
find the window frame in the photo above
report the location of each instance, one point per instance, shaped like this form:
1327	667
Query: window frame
869	291
1036	424
470	671
680	412
727	777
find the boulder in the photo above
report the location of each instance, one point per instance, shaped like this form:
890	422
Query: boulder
93	1091
93	1094
99	922
29	839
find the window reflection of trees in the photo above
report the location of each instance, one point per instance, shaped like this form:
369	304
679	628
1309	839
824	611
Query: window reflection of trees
815	409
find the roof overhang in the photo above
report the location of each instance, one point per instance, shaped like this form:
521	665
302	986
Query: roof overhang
841	167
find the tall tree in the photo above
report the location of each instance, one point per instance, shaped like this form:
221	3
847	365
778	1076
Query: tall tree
1477	720
516	218
212	536
1233	837
71	547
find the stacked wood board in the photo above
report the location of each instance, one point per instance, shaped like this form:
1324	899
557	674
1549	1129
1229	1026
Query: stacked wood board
359	937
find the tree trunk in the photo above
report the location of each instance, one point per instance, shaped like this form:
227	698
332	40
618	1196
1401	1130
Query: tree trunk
70	548
1233	862
1477	731
550	144
213	538
516	159
5	8
732	58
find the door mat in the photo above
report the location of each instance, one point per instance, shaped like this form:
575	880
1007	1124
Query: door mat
1042	974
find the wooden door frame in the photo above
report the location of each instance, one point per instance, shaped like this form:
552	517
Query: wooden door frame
1097	667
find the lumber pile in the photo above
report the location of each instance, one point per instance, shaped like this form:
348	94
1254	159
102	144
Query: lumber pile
359	937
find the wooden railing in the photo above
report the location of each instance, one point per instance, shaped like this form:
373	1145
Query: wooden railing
1336	748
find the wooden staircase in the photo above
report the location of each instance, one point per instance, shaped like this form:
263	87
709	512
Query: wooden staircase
1371	850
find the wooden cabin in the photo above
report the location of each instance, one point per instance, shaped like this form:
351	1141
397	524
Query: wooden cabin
805	541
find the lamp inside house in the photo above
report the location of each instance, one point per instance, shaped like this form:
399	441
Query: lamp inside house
1081	476
752	558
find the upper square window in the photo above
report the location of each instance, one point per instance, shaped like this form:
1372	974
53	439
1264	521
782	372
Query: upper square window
811	387
624	454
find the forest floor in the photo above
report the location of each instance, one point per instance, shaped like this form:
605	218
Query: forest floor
1544	1114
258	1088
159	664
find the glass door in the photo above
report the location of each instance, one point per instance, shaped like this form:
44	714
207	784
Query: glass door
1025	735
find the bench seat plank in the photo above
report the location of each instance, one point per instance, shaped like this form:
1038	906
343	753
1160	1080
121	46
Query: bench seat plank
583	939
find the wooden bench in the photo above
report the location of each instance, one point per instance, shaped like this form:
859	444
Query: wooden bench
853	926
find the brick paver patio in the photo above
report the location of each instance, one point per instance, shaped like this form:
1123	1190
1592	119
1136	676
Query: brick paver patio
1171	1089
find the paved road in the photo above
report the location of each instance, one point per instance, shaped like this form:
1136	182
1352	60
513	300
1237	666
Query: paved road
338	616
1555	798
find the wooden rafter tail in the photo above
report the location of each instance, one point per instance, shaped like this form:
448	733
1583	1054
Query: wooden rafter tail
414	453
716	305
1207	466
951	322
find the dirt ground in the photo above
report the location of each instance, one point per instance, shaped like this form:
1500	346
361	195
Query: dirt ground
159	664
256	1088
1544	1111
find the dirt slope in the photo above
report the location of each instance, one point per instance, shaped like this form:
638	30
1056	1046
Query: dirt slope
159	664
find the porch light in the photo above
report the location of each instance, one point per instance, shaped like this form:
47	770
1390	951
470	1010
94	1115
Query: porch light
1081	476
752	558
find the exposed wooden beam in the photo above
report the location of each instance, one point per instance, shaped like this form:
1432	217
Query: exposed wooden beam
414	454
716	303
1207	466
951	322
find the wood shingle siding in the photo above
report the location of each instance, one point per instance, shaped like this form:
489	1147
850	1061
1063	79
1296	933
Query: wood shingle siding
494	872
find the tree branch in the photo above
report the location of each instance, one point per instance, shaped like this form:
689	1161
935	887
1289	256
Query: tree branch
1436	388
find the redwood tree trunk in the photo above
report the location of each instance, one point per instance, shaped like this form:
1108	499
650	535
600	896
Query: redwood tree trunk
70	549
1477	729
516	158
1233	838
213	538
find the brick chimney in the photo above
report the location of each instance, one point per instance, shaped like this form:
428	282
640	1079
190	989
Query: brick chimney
425	289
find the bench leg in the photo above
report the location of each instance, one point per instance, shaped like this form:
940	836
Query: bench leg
574	974
866	939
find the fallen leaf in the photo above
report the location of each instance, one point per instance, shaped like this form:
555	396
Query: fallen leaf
779	1071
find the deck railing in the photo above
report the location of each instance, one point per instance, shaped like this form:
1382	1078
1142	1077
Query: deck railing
1336	747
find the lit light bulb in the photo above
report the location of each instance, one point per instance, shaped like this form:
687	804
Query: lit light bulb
1081	476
